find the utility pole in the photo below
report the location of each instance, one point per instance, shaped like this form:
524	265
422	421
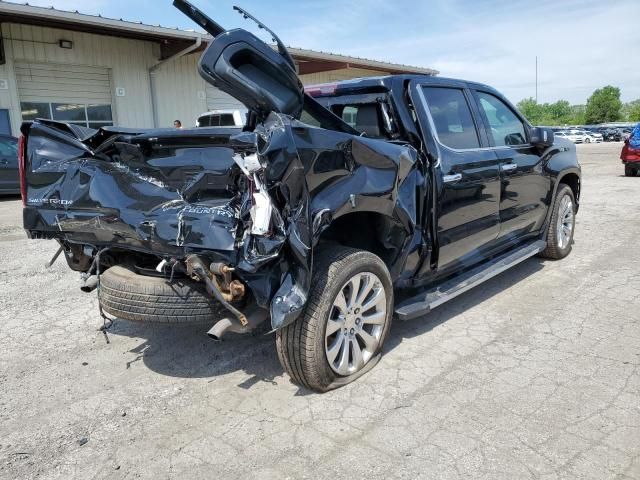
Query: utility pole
536	79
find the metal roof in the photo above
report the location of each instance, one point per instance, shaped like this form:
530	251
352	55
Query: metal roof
300	54
175	38
51	17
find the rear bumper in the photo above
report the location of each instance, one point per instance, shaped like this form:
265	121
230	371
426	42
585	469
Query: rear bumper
631	158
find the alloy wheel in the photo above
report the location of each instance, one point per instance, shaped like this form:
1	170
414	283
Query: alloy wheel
566	220
356	323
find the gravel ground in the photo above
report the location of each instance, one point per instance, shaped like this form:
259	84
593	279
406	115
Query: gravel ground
531	375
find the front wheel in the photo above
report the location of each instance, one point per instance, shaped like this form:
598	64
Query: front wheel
562	225
348	315
587	140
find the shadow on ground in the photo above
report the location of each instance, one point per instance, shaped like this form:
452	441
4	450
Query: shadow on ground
9	197
186	351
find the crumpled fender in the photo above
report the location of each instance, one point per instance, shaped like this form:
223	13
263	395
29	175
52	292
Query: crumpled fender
286	183
316	176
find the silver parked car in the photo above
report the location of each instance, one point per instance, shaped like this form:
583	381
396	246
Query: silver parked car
572	135
590	136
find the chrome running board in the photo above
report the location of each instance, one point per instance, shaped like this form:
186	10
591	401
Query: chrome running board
426	301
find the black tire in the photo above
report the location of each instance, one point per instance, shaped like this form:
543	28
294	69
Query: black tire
554	250
629	171
129	296
301	345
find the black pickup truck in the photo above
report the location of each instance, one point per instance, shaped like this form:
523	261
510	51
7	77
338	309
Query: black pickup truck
333	210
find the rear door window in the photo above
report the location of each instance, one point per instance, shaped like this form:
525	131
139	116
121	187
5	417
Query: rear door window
506	128
452	117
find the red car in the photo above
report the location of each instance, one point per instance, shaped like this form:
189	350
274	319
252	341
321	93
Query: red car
631	158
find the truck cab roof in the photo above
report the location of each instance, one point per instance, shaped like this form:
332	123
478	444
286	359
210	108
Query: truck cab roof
386	83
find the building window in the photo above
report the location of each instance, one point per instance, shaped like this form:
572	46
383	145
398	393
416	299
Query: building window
87	115
31	110
69	112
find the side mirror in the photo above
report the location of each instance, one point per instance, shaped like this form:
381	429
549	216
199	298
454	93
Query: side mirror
541	137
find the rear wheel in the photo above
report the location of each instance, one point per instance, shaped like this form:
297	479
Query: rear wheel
562	225
587	140
340	335
629	171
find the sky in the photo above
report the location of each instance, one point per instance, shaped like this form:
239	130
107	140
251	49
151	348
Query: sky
581	45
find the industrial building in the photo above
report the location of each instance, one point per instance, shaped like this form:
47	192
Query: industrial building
97	71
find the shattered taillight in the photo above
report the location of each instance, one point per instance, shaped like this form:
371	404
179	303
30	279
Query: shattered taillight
22	144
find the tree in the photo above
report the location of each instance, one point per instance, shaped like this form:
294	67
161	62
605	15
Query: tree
531	110
633	111
604	105
578	113
560	112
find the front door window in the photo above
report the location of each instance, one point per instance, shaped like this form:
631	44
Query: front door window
506	128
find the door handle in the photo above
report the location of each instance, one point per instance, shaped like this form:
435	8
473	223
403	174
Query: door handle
4	161
456	177
507	167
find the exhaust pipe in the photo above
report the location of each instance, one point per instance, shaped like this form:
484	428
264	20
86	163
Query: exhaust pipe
255	316
90	284
219	329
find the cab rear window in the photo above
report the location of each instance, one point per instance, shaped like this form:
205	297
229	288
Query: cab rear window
217	120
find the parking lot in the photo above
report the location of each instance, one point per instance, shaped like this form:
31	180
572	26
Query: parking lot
534	374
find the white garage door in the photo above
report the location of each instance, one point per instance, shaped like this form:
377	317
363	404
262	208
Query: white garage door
219	100
72	93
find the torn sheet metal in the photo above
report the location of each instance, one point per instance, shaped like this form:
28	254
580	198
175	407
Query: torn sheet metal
147	195
206	192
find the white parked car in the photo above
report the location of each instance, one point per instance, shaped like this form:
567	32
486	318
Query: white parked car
589	136
222	118
572	135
